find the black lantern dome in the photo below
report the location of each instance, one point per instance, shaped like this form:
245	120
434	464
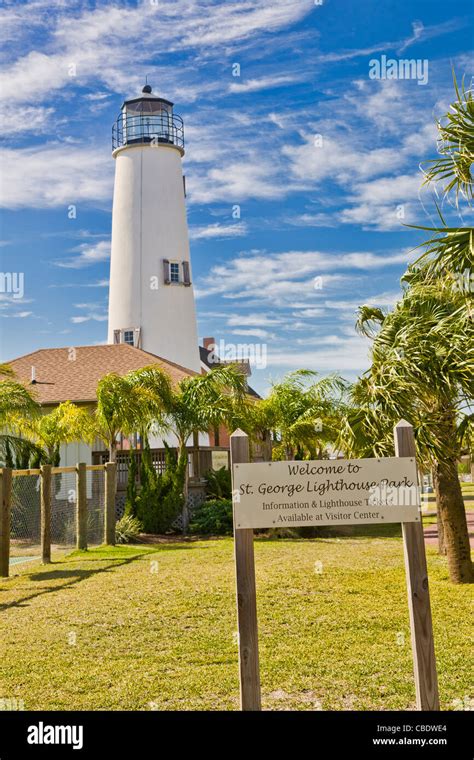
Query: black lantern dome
148	119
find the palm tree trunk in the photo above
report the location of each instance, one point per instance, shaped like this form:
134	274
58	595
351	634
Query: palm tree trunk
185	509
439	521
113	451
441	542
453	516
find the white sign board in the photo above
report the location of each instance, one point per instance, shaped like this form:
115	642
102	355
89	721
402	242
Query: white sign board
325	492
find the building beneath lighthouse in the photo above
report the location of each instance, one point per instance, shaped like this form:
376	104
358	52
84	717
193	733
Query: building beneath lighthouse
151	298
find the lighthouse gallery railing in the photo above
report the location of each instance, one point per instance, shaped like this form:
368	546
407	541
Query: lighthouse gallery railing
160	128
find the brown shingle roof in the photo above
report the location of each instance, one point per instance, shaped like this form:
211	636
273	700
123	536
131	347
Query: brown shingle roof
60	378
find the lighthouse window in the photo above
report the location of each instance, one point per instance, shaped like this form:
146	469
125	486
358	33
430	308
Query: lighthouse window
174	271
128	337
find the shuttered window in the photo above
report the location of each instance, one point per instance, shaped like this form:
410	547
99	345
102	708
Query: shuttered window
166	271
186	277
130	336
176	272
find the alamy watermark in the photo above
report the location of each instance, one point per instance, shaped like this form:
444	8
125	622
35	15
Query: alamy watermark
253	353
399	68
13	283
42	733
11	704
407	494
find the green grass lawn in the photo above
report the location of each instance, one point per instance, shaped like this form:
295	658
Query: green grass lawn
140	628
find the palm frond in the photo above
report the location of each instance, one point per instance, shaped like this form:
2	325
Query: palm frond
452	167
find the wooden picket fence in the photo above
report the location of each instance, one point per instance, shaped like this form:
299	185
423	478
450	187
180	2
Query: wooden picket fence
45	474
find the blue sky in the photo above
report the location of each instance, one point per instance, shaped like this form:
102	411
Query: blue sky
322	160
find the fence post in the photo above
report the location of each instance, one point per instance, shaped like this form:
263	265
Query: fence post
250	698
421	625
5	516
45	486
110	490
81	506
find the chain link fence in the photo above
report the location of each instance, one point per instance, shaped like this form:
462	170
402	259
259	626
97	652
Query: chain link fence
95	507
63	511
25	518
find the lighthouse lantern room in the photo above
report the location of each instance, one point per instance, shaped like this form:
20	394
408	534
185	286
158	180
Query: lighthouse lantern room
151	299
148	119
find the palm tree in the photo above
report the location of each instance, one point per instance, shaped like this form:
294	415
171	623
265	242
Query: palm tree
16	403
195	404
65	424
123	406
304	412
423	370
15	398
422	354
6	370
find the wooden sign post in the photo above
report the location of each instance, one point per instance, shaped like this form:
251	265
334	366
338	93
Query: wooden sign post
331	492
421	625
246	595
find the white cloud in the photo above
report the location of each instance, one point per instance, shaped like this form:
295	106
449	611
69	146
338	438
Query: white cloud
252	319
338	159
387	299
336	354
404	187
218	231
17	315
30	120
254	333
379	216
99	284
100	43
54	175
418	32
239	180
87	255
310	313
253	85
291	274
93	312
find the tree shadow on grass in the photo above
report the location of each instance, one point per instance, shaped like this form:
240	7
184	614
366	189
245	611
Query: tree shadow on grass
178	547
71	578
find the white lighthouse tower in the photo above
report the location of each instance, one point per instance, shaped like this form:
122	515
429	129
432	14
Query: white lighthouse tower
151	299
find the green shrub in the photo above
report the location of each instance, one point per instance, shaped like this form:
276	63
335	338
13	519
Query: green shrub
160	498
127	530
219	484
213	518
